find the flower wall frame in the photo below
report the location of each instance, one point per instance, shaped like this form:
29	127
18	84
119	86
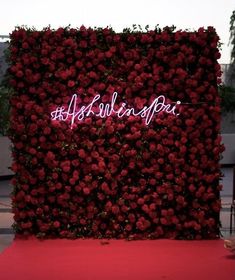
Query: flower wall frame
106	175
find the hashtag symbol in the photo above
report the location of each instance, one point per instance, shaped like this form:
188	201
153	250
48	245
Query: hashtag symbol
57	114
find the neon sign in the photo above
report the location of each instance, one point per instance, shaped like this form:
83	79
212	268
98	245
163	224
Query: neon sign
104	110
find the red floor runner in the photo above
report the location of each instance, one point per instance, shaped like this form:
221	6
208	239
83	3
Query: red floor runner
119	260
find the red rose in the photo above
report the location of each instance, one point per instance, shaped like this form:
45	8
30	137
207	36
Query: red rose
50	156
145	208
32	151
81	153
56	224
19	74
128	227
26	225
71	83
115	209
124	208
140	201
65	166
47	130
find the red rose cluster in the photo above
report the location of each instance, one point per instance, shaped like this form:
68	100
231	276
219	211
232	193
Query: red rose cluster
116	177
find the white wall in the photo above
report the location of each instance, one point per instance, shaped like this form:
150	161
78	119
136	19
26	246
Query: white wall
229	153
228	123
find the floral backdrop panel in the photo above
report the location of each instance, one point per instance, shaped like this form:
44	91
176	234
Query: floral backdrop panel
115	134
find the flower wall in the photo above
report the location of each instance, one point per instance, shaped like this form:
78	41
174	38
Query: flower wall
84	174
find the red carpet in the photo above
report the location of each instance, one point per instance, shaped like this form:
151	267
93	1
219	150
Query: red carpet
119	260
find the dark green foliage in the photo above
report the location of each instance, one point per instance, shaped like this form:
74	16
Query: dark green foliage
227	95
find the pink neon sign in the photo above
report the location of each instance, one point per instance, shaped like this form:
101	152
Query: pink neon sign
103	110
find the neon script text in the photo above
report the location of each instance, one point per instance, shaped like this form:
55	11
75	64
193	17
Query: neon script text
103	110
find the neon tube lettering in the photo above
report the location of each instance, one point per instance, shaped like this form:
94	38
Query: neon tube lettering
103	110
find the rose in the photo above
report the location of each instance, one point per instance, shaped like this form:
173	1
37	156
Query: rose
65	166
145	208
124	208
81	153
115	209
128	227
56	224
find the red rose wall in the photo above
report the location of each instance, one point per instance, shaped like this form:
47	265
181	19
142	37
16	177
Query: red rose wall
116	177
